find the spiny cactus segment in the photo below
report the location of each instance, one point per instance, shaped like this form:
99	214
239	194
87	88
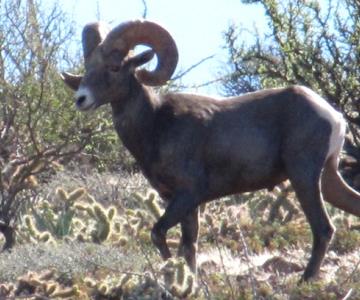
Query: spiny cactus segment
178	278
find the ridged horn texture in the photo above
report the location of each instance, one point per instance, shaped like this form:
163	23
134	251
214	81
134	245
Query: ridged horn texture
127	35
93	34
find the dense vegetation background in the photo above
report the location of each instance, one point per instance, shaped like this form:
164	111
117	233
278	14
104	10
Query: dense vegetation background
76	213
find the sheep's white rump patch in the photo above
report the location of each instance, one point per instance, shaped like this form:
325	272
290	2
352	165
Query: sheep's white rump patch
336	119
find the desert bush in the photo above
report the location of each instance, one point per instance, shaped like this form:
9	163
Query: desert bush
34	112
39	128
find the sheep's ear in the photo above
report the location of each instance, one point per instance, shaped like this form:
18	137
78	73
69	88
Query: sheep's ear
71	80
140	59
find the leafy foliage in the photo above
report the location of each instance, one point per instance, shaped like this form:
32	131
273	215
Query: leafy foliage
39	128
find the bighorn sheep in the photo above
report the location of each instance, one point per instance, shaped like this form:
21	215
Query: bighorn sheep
194	148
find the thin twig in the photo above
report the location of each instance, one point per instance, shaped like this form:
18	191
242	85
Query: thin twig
347	296
248	261
145	11
227	278
204	285
27	297
183	73
200	85
352	273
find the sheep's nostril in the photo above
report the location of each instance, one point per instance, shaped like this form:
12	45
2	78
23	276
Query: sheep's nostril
80	100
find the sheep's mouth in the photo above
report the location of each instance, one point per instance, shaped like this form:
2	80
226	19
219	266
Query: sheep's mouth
80	105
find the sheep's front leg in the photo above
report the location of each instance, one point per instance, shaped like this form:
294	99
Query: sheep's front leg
179	208
188	243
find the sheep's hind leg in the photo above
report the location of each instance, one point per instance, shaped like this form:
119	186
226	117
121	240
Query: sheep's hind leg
180	207
307	187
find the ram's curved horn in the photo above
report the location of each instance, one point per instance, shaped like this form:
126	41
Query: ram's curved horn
92	35
141	32
73	81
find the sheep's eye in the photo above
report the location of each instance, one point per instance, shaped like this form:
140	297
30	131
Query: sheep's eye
114	68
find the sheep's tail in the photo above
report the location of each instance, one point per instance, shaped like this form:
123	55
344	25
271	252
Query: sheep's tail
336	191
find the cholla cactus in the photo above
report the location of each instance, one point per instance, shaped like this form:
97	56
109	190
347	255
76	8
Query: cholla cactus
66	292
50	288
40	285
111	287
76	220
81	238
88	208
117	227
34	280
6	290
97	223
102	229
90	199
69	198
282	207
126	283
31	182
168	271
90	283
139	219
61	194
122	241
78	224
44	236
151	203
111	213
124	279
55	222
47	274
76	195
104	289
178	278
30	226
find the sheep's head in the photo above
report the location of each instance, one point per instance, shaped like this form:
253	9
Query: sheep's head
110	63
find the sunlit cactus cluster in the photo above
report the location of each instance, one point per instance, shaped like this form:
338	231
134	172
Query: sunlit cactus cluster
179	280
78	216
139	221
72	216
96	223
110	286
232	225
46	285
49	284
125	285
280	205
150	202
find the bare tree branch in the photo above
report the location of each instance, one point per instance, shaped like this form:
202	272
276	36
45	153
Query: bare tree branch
188	70
145	10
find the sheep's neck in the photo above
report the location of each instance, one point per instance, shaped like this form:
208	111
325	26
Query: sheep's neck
133	120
